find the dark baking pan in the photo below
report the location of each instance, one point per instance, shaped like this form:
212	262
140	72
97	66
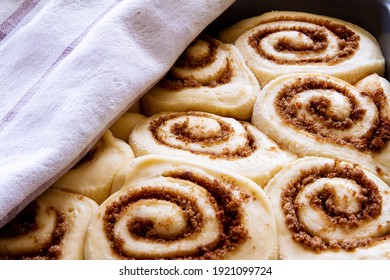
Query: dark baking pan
372	15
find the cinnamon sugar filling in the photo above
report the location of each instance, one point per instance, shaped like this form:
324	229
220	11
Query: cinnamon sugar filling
381	135
182	132
348	41
227	207
172	82
187	61
25	223
375	139
369	198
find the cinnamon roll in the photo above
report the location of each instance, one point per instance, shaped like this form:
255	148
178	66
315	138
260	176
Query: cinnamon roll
209	76
92	176
51	227
378	89
171	208
330	209
211	139
124	125
279	43
319	115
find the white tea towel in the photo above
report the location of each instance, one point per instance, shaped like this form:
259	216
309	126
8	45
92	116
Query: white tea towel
69	68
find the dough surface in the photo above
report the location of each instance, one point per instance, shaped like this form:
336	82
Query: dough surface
170	208
92	176
209	76
320	115
52	227
284	42
221	142
330	209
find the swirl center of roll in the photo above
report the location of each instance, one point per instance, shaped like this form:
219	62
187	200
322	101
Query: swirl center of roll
303	40
190	217
203	63
204	134
199	128
331	111
157	219
341	197
199	53
36	233
326	206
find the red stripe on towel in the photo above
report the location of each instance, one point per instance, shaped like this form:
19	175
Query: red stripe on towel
13	20
68	50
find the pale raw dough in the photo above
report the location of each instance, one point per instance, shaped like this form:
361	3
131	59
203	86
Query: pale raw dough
199	137
233	98
124	125
290	39
303	141
170	196
317	222
94	174
76	210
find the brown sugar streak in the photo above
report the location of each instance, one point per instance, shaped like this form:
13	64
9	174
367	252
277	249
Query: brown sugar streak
183	133
348	41
25	223
369	199
172	82
375	139
223	201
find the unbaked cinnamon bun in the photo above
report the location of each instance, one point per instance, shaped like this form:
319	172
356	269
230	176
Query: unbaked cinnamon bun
209	76
171	208
51	227
285	42
211	139
319	115
330	209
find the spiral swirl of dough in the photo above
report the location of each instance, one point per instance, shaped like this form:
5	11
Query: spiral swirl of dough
330	209
279	43
51	227
169	208
218	141
316	114
209	76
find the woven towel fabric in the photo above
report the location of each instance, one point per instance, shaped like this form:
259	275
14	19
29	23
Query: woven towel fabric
68	69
